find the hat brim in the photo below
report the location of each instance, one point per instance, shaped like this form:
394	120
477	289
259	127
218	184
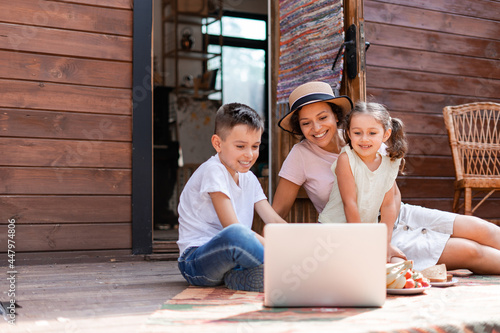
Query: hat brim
344	102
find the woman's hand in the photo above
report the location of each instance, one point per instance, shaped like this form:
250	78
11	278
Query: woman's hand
284	197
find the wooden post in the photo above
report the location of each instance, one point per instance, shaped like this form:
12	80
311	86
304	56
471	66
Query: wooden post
355	88
275	162
142	140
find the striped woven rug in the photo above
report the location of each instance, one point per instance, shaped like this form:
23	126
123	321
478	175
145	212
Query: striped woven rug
472	305
312	32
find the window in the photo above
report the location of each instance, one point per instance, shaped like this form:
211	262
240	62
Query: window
244	56
244	69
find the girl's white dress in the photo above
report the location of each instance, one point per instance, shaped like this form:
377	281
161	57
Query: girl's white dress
371	187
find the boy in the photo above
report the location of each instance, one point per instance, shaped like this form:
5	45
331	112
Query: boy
216	207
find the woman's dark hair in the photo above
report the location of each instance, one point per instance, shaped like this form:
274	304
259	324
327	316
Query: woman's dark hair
295	123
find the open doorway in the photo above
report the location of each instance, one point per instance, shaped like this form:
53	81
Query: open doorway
241	41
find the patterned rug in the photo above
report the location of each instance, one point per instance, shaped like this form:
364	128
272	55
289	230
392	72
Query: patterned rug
311	33
473	305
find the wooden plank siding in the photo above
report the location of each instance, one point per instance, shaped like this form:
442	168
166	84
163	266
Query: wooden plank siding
66	125
425	55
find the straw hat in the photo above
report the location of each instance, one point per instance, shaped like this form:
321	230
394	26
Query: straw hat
313	92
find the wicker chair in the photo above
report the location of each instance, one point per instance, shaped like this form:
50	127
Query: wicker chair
474	134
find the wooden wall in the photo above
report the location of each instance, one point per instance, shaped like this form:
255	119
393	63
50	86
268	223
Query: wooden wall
66	124
423	56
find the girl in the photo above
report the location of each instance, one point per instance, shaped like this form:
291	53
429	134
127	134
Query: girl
427	236
366	179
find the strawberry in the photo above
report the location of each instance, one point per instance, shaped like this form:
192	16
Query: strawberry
410	283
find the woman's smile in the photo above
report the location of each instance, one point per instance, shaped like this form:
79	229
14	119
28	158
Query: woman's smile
321	135
319	125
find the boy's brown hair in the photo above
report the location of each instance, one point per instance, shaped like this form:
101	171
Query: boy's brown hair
232	114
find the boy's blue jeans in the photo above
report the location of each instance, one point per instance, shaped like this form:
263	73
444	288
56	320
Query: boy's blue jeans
235	247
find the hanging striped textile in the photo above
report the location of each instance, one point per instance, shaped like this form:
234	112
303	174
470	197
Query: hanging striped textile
312	32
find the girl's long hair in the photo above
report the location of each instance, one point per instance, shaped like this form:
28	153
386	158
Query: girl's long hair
397	145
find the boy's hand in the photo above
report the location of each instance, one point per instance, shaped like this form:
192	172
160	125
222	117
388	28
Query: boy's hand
260	238
267	213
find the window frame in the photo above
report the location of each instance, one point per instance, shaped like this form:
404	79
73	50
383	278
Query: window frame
250	44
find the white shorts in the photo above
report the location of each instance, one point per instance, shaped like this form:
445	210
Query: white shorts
421	233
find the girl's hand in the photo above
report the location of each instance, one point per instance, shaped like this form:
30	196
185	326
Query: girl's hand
347	189
394	254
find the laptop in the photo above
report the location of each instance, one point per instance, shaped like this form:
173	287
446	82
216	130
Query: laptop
325	265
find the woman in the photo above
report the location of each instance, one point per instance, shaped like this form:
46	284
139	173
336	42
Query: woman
427	236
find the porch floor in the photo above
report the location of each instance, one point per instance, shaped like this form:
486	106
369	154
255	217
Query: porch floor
112	296
120	295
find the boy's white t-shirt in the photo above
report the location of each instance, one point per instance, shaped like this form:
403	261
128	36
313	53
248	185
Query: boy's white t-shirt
198	221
